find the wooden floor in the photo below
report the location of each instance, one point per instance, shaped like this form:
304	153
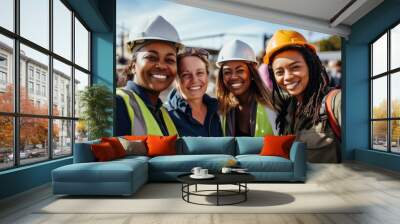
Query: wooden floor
377	188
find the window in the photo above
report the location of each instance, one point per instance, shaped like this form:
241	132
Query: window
30	87
43	90
46	131
37	74
7	14
38	89
3	78
30	72
385	96
3	72
43	77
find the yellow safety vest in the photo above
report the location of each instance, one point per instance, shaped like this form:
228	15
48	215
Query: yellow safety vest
263	124
150	123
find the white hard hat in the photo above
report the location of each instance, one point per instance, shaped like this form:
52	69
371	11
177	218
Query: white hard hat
236	50
155	28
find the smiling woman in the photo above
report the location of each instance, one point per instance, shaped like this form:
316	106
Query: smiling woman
245	103
192	110
310	109
139	109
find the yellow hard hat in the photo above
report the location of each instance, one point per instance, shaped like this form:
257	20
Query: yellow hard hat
284	38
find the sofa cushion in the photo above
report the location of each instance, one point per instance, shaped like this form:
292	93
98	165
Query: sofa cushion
277	145
103	152
185	163
116	145
161	145
257	163
134	147
206	145
83	152
249	145
112	171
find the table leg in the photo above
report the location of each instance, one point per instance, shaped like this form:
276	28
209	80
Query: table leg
196	188
245	191
217	194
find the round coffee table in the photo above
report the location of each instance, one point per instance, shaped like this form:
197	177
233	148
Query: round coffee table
238	179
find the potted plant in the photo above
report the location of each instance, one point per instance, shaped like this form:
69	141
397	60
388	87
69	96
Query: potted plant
96	102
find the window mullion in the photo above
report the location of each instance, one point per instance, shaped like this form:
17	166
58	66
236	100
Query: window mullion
16	83
50	81
73	81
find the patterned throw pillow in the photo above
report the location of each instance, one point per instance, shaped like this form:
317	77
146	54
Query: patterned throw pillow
135	147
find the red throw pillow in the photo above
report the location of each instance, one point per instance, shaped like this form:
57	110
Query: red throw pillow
135	137
103	152
116	145
277	145
161	145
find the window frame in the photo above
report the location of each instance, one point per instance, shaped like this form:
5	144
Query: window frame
388	74
51	118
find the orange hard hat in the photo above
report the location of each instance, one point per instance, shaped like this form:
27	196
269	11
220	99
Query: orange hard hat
284	38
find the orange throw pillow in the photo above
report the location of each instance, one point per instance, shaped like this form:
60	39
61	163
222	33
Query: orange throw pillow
116	145
161	145
277	145
103	152
135	137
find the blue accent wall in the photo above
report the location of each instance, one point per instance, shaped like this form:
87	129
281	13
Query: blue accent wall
100	17
356	85
24	178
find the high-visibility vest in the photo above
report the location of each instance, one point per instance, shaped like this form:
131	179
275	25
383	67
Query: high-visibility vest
265	120
142	120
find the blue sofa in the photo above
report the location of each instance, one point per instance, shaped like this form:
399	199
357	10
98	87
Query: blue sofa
125	176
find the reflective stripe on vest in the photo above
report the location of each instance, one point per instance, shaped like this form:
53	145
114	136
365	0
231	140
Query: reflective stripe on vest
263	123
150	124
264	118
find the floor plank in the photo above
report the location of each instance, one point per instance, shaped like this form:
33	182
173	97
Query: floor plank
375	189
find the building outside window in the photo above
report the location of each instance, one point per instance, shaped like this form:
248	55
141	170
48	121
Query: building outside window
3	72
385	95
58	125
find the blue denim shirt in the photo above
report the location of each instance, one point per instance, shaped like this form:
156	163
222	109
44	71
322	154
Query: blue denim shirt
123	122
181	113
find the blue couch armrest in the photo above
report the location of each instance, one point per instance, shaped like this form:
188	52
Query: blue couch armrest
299	159
83	152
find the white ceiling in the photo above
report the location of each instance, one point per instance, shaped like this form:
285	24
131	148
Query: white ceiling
324	16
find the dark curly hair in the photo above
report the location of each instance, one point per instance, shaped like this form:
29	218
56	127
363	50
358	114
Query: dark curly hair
318	86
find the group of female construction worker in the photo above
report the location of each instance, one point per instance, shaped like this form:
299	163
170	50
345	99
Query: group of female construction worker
300	101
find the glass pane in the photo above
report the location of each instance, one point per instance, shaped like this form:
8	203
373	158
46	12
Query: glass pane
6	142
33	139
6	74
62	89
35	21
81	81
62	141
81	131
34	97
81	45
62	29
379	98
7	14
395	47
379	55
379	135
395	138
395	95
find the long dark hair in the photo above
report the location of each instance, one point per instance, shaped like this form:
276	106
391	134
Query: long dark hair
308	109
227	100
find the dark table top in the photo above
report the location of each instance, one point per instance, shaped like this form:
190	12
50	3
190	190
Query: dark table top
220	178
